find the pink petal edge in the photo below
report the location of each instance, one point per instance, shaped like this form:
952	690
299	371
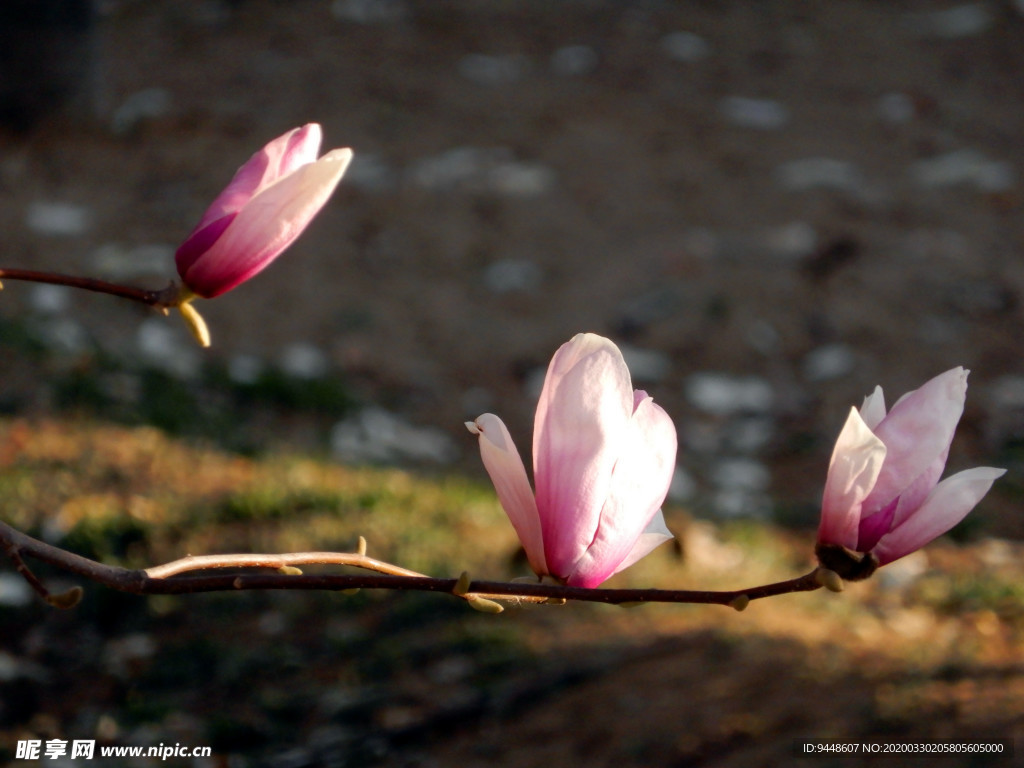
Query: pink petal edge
856	462
947	505
505	467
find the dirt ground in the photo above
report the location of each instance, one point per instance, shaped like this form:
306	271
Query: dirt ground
809	199
603	184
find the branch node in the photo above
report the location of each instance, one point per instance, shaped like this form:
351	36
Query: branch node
462	585
740	602
829	579
66	600
482	604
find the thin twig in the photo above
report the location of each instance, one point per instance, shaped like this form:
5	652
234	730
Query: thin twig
162	299
176	578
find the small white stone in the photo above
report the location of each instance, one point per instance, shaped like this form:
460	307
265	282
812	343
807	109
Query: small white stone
513	276
245	369
163	346
748	434
49	299
484	170
829	362
574	61
740	503
14	590
762	336
521	179
791	241
741	473
682	487
304	361
370	172
702	242
273	623
1007	393
375	435
685	46
965	20
493	70
369	11
477	400
65	334
964	166
118	262
723	395
760	114
645	365
897	108
820	173
905	571
143	105
58	219
121	653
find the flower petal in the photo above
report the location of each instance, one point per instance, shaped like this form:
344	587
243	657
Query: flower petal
947	505
917	430
280	157
503	464
582	417
873	408
640	481
654	535
267	225
856	462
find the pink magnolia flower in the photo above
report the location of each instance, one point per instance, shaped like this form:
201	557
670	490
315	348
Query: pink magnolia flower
267	205
883	498
603	458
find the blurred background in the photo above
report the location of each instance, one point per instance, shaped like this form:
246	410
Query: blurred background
771	207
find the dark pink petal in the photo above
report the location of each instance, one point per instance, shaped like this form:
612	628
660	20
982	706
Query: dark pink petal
280	157
874	527
947	505
199	242
267	225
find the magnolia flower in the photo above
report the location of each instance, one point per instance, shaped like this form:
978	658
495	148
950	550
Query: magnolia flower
267	205
883	498
603	457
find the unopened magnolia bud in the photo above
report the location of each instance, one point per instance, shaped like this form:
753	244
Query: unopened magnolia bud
483	605
462	585
65	600
740	602
290	570
830	580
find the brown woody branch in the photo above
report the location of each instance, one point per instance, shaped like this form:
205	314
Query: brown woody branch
203	574
162	299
